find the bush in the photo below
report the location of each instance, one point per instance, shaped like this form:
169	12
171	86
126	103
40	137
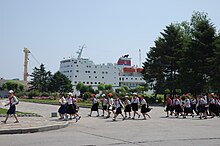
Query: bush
55	95
86	95
151	99
33	93
20	94
13	85
45	94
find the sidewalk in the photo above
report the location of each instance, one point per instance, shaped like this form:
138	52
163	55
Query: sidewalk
31	124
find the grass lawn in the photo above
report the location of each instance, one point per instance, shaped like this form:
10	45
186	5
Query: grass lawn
46	101
4	111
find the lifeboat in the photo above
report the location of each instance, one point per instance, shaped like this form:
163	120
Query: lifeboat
128	69
139	69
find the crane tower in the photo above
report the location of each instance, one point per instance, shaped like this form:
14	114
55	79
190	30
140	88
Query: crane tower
26	51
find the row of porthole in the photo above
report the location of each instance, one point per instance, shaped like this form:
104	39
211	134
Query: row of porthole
91	83
127	79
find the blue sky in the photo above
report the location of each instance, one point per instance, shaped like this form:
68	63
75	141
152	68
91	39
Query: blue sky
53	29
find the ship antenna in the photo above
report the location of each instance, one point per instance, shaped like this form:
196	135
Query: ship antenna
139	57
79	52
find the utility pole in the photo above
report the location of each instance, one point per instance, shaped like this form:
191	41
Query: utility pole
26	51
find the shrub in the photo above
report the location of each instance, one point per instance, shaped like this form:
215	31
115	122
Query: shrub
20	94
45	94
33	93
86	95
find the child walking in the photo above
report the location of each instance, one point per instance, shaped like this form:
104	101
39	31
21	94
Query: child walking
127	107
144	108
119	106
95	105
12	109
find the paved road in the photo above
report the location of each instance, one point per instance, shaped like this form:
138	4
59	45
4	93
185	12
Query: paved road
32	123
157	131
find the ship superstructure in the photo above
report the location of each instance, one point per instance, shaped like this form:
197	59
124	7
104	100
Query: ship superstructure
87	72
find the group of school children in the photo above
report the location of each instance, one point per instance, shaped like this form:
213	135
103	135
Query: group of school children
201	105
185	105
114	105
68	108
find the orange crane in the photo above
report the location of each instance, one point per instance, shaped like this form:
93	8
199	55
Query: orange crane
26	51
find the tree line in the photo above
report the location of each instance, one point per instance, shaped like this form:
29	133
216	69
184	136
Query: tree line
185	58
44	81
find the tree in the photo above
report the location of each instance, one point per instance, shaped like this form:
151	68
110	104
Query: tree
60	83
13	85
101	87
108	87
141	89
185	58
41	79
83	88
200	50
214	83
104	87
124	89
90	89
79	86
163	60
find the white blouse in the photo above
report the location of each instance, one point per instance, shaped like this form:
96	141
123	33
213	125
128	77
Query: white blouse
187	103
13	101
143	101
94	101
193	101
127	102
111	101
63	100
135	100
177	102
105	101
212	101
202	101
118	103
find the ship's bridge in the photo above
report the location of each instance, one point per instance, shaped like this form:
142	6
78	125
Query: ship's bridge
124	61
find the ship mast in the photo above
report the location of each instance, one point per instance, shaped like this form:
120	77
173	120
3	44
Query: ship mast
139	57
79	52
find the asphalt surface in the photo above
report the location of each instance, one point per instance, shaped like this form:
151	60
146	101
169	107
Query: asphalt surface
38	122
89	131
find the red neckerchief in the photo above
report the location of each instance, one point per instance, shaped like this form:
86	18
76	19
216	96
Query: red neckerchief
10	101
134	99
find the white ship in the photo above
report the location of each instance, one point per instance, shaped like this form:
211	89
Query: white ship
85	71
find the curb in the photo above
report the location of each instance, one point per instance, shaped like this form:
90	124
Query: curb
23	115
34	130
